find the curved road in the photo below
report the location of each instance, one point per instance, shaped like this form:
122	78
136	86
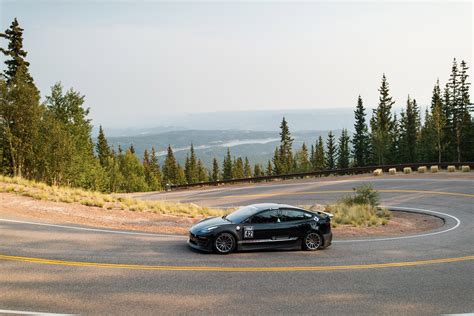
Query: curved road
62	270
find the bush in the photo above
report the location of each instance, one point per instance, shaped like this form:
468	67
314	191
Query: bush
407	170
392	171
434	169
465	168
359	209
422	169
451	169
365	194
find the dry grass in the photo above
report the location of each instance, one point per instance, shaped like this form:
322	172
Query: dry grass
378	172
465	168
392	171
434	169
451	169
359	209
422	169
42	191
358	214
407	170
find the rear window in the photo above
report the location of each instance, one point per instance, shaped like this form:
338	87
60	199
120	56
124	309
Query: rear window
293	215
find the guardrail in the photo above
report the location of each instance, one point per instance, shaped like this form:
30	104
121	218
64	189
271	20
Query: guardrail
326	172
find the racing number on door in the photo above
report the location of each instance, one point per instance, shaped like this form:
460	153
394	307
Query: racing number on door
248	232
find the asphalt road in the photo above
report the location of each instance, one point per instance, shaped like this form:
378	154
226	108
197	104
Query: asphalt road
97	272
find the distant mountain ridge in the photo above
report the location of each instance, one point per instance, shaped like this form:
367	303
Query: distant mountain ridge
298	120
258	146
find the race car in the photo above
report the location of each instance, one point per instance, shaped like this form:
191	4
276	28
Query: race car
261	226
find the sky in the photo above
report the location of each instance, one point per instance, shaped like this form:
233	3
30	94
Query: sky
140	62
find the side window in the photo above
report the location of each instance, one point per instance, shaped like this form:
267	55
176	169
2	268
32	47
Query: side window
293	215
265	217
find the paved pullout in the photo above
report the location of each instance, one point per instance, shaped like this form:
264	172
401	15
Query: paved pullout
160	275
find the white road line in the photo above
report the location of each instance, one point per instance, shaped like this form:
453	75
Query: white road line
92	229
401	208
6	311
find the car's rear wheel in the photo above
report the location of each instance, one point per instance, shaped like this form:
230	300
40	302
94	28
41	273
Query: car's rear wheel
312	241
224	243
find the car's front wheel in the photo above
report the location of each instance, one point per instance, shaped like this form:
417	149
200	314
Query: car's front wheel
312	241
224	243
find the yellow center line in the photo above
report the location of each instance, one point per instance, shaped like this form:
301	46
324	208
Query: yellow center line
235	269
260	195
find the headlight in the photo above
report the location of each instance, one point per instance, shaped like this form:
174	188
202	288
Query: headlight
207	229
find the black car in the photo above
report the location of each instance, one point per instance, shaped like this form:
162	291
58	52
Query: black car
260	226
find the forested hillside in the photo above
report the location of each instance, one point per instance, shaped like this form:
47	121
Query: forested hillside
50	140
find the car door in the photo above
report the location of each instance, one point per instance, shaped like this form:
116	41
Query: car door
261	227
293	222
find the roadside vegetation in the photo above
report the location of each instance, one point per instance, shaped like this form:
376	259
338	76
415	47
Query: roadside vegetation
360	209
42	191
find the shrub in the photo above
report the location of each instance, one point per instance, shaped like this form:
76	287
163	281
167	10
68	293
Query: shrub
434	169
407	170
392	171
422	169
451	168
378	172
465	168
364	194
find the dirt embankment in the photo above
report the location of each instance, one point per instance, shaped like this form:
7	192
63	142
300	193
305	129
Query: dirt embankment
14	206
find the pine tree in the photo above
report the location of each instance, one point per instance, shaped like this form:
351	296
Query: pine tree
360	140
227	171
180	176
215	170
132	149
202	174
102	148
320	155
277	168
170	169
394	155
247	168
409	132
285	152
155	170
150	169
191	169
302	160
331	152
382	125
134	173
20	111
312	158
467	124
15	54
257	170
269	171
343	153
238	168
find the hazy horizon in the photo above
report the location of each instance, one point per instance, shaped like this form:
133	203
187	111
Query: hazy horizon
141	62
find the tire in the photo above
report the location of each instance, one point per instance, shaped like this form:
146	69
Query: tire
224	243
312	241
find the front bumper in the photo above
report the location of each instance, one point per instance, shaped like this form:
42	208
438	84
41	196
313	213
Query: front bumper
203	243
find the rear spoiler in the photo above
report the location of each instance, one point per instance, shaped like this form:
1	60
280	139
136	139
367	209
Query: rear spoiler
326	213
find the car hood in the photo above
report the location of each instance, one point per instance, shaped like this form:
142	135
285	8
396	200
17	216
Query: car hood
208	222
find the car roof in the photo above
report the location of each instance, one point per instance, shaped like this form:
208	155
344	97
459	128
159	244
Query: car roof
270	206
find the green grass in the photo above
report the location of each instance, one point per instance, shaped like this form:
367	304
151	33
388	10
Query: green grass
44	192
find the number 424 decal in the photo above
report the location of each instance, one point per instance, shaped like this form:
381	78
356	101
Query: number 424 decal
248	231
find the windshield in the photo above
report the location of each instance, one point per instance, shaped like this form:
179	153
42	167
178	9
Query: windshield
241	214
